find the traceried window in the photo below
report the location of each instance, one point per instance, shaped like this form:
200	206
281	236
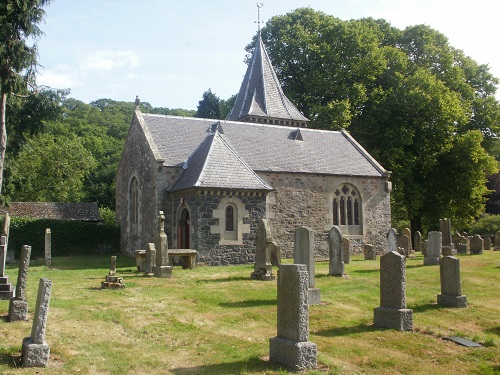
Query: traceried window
346	209
231	224
134	204
229	218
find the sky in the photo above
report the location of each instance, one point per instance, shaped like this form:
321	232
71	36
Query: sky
170	52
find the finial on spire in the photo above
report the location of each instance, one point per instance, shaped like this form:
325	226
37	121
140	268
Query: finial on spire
137	101
259	5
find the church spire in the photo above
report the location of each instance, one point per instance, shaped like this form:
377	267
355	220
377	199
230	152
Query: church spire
261	98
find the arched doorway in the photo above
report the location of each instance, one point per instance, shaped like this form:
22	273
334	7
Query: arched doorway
183	228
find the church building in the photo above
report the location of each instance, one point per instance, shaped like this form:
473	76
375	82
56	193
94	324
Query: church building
215	179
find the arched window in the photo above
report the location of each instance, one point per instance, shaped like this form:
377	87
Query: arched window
134	204
346	209
231	226
229	218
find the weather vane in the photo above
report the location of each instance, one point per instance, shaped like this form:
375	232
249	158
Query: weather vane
259	5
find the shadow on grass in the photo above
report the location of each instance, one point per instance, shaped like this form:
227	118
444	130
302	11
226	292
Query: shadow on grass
346	331
253	365
10	359
425	307
250	303
495	330
415	265
364	271
224	280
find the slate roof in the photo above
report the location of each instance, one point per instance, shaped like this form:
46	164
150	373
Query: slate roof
54	210
261	93
262	147
215	164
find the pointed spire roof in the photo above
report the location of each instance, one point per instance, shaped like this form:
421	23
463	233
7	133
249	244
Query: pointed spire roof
261	95
216	164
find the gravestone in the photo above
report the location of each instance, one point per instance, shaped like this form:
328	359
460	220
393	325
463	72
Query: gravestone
433	249
451	291
6	230
150	259
446	234
369	252
35	351
112	281
291	347
6	289
336	267
404	242
476	245
462	248
497	241
417	241
346	250
275	254
263	268
392	312
18	306
409	251
162	267
48	248
456	238
140	260
487	243
303	253
446	251
391	240
425	245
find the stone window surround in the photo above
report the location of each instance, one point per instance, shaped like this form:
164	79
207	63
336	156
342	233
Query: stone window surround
350	231
134	202
240	228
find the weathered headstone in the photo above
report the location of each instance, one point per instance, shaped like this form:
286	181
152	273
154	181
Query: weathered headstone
446	251
407	232
6	289
497	241
425	245
346	250
462	248
451	290
263	268
275	254
150	259
417	241
476	245
369	252
487	243
6	229
162	267
336	267
391	240
48	248
446	234
35	351
18	306
303	253
392	312
405	242
112	281
456	238
291	347
140	260
433	249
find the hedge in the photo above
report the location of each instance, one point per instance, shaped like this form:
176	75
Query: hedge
67	237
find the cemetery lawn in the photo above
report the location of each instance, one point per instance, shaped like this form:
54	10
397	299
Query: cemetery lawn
216	320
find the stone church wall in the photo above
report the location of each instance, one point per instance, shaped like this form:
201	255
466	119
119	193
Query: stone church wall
306	200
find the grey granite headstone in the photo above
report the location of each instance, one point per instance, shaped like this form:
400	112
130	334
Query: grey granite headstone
18	307
391	241
336	267
476	245
6	289
48	248
369	252
291	347
35	351
433	252
392	312
162	267
275	254
346	250
150	259
417	241
263	268
451	290
407	232
405	243
303	253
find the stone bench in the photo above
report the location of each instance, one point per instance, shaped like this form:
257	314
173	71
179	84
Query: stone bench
188	257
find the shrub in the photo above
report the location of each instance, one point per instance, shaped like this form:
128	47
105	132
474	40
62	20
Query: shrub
486	225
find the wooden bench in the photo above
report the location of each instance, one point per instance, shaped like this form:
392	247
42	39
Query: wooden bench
188	257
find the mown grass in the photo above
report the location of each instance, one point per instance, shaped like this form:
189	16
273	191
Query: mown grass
216	320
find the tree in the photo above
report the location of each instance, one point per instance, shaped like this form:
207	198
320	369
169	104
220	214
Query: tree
19	21
209	106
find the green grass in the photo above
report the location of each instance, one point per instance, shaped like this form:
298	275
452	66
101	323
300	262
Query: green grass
216	320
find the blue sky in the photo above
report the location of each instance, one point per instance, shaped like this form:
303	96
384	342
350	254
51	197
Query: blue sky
170	52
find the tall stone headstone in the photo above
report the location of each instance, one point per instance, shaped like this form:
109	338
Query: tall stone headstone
433	252
369	252
346	250
291	347
48	248
392	312
404	242
150	259
162	267
451	290
263	268
407	232
445	227
487	243
336	267
6	289
275	254
417	241
391	240
476	245
6	229
303	253
35	351
112	281
18	307
497	241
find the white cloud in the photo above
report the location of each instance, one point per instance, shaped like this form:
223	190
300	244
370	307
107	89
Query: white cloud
105	61
60	77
